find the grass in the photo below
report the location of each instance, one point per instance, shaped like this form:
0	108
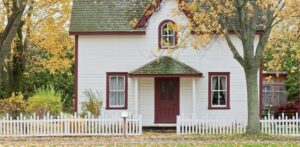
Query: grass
159	139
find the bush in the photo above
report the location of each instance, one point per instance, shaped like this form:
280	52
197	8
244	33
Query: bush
43	101
14	105
93	105
62	81
289	109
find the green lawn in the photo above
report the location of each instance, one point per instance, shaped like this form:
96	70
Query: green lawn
167	139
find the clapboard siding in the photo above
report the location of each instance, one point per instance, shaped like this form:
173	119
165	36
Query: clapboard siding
147	100
186	97
112	53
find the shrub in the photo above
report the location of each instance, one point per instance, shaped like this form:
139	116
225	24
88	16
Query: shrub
289	109
14	105
93	105
43	101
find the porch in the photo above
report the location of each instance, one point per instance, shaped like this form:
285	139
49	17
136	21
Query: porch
163	89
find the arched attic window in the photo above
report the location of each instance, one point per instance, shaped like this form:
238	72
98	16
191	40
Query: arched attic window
167	35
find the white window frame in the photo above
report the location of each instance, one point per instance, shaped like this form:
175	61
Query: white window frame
109	98
162	35
212	91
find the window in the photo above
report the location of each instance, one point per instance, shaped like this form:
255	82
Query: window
167	35
116	92
273	94
219	86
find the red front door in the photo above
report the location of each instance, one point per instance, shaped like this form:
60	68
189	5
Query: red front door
166	100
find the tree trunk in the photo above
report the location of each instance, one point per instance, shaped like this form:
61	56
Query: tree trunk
253	100
5	85
18	62
9	33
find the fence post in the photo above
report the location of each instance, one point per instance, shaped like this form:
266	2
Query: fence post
297	124
177	125
140	125
124	115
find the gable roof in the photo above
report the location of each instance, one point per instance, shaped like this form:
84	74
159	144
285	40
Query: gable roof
155	5
106	15
165	66
92	16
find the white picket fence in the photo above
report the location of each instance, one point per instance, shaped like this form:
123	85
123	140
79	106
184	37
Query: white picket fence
75	125
281	126
199	125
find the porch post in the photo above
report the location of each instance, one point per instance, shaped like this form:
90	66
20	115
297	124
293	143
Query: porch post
136	95
194	96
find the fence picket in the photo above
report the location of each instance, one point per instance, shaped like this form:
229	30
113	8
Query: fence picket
196	125
63	125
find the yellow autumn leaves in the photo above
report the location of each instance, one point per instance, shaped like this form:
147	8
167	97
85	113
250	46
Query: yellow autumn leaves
49	23
284	42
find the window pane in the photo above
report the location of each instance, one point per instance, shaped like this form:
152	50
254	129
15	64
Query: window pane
215	83
171	41
165	29
121	98
222	97
171	32
121	83
215	98
163	41
222	83
113	83
113	98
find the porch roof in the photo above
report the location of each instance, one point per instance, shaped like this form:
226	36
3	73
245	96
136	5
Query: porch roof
165	67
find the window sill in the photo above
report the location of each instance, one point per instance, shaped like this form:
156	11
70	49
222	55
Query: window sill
116	108
218	108
166	48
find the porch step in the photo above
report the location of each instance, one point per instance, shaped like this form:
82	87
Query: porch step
160	129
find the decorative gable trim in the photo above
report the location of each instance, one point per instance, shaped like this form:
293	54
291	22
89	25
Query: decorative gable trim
153	7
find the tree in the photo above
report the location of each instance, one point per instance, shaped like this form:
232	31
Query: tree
210	17
283	51
14	11
41	42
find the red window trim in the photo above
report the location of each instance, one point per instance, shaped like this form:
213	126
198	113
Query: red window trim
108	74
159	33
210	74
76	76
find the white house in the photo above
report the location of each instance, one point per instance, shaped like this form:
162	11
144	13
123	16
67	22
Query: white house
115	59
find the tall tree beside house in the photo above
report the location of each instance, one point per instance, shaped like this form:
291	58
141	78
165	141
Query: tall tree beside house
210	17
41	45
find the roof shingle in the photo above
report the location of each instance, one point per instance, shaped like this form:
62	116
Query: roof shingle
106	15
165	65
